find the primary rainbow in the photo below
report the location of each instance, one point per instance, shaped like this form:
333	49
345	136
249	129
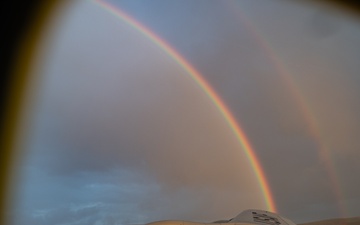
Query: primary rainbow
209	91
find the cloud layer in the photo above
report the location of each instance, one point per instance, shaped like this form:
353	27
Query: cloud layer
122	134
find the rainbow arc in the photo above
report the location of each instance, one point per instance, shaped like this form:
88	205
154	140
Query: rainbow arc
209	91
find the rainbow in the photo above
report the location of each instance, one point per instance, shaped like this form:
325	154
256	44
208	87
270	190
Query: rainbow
209	91
308	115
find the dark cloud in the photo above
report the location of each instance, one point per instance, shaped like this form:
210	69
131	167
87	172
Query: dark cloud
96	213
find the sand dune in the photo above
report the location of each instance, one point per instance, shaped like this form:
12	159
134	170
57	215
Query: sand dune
344	221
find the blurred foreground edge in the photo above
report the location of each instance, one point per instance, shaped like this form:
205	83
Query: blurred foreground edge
22	24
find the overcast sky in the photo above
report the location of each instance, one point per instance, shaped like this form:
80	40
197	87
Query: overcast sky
120	134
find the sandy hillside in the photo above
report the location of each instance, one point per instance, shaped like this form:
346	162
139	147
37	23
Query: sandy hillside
347	221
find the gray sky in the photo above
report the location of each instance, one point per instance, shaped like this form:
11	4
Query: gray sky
120	134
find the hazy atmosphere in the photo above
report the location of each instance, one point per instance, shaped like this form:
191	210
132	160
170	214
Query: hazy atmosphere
120	132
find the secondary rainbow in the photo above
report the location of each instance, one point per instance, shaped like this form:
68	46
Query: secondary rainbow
209	91
308	115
